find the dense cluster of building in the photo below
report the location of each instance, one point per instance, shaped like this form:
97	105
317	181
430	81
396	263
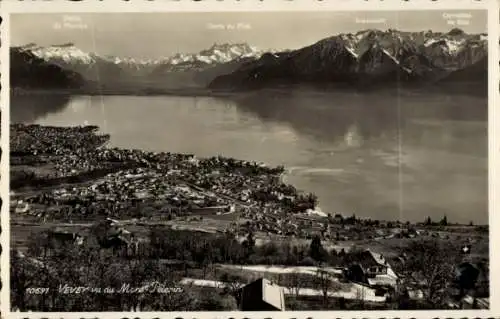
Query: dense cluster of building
38	140
173	183
134	183
124	193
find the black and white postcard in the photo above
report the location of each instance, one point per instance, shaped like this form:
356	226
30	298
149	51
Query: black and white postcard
249	157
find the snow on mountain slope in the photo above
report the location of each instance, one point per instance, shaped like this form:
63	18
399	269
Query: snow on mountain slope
368	55
102	68
69	54
450	46
340	58
445	48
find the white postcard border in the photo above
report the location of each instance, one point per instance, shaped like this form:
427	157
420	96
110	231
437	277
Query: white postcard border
61	6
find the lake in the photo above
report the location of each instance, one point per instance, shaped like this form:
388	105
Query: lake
387	154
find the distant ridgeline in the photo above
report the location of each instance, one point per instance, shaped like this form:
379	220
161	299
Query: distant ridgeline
364	59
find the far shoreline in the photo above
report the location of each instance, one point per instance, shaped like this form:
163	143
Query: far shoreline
76	92
462	88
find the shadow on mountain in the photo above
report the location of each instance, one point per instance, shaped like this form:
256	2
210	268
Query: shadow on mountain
324	62
477	72
30	72
207	75
28	108
471	80
376	60
331	61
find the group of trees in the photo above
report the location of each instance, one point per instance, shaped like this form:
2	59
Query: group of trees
353	220
105	276
299	203
232	164
429	266
430	222
205	249
200	249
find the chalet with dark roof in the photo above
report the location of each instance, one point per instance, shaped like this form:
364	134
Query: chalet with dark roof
370	268
370	264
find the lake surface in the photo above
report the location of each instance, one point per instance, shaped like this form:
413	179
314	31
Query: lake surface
387	155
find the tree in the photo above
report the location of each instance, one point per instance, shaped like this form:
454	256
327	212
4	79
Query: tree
38	244
249	244
203	255
312	200
467	279
430	268
316	251
342	303
187	300
292	282
231	283
342	253
360	296
402	299
334	258
428	221
324	282
444	221
21	278
456	31
216	302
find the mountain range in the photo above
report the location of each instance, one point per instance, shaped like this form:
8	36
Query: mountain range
97	67
364	58
370	57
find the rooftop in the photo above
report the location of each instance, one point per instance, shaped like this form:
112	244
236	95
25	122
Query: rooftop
273	294
365	258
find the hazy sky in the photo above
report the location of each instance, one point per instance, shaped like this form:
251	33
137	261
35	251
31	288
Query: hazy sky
151	35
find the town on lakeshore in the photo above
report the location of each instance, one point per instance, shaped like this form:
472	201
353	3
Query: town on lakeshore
213	224
249	161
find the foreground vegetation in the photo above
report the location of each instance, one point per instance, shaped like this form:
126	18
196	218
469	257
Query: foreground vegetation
169	256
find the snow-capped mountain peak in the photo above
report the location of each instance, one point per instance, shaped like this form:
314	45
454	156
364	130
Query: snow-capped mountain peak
69	56
133	61
223	53
451	46
363	57
67	53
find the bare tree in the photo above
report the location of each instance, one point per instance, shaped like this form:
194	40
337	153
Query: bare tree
430	268
324	281
292	282
361	295
231	283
